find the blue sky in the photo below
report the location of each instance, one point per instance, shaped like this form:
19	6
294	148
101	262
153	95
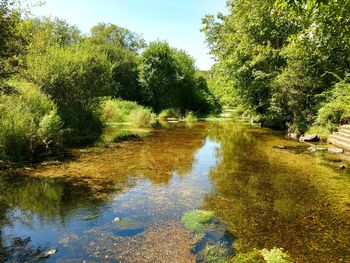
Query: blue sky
177	21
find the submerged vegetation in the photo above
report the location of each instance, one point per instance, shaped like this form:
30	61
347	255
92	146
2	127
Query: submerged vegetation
197	220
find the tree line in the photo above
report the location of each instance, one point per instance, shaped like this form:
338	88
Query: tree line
284	63
54	80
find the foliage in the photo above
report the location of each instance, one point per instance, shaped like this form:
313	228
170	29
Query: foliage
13	39
122	47
121	111
168	80
278	60
196	220
322	131
169	113
336	110
142	117
29	124
74	77
190	117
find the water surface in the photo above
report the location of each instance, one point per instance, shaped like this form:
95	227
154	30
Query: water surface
267	198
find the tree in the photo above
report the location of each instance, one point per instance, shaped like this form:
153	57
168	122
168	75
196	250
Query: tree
74	77
122	47
12	39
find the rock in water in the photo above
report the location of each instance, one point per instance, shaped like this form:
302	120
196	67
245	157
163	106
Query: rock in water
292	136
335	150
312	149
309	138
47	253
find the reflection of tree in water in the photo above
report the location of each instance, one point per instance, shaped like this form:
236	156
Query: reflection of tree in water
46	198
267	201
155	158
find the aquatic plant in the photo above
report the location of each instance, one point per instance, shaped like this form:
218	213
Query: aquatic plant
254	256
216	253
197	220
275	255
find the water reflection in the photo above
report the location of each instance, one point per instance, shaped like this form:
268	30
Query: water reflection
268	198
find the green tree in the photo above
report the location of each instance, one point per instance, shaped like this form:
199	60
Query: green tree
122	47
74	77
12	39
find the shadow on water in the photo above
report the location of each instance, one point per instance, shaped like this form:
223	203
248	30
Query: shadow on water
268	198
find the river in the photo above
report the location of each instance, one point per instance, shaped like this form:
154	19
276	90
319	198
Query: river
266	196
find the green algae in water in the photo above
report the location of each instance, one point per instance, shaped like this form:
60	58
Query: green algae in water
197	220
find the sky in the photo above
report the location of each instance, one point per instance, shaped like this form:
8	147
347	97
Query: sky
176	21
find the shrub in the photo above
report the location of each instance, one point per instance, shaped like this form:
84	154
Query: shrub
74	76
337	109
197	220
321	131
169	113
142	117
29	124
120	111
190	117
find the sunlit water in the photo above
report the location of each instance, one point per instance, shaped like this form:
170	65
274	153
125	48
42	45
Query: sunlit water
267	198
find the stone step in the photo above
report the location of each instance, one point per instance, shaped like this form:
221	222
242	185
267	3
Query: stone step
343	134
344	127
340	138
339	142
346	131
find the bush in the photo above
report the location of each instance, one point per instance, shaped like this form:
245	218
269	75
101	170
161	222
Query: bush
121	111
74	77
169	114
190	117
142	117
337	109
29	124
321	131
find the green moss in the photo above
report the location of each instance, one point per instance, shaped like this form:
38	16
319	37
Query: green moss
250	257
216	253
197	220
275	255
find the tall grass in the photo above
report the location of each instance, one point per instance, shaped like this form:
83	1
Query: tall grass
121	111
29	124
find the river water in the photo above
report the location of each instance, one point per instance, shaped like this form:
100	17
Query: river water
266	196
